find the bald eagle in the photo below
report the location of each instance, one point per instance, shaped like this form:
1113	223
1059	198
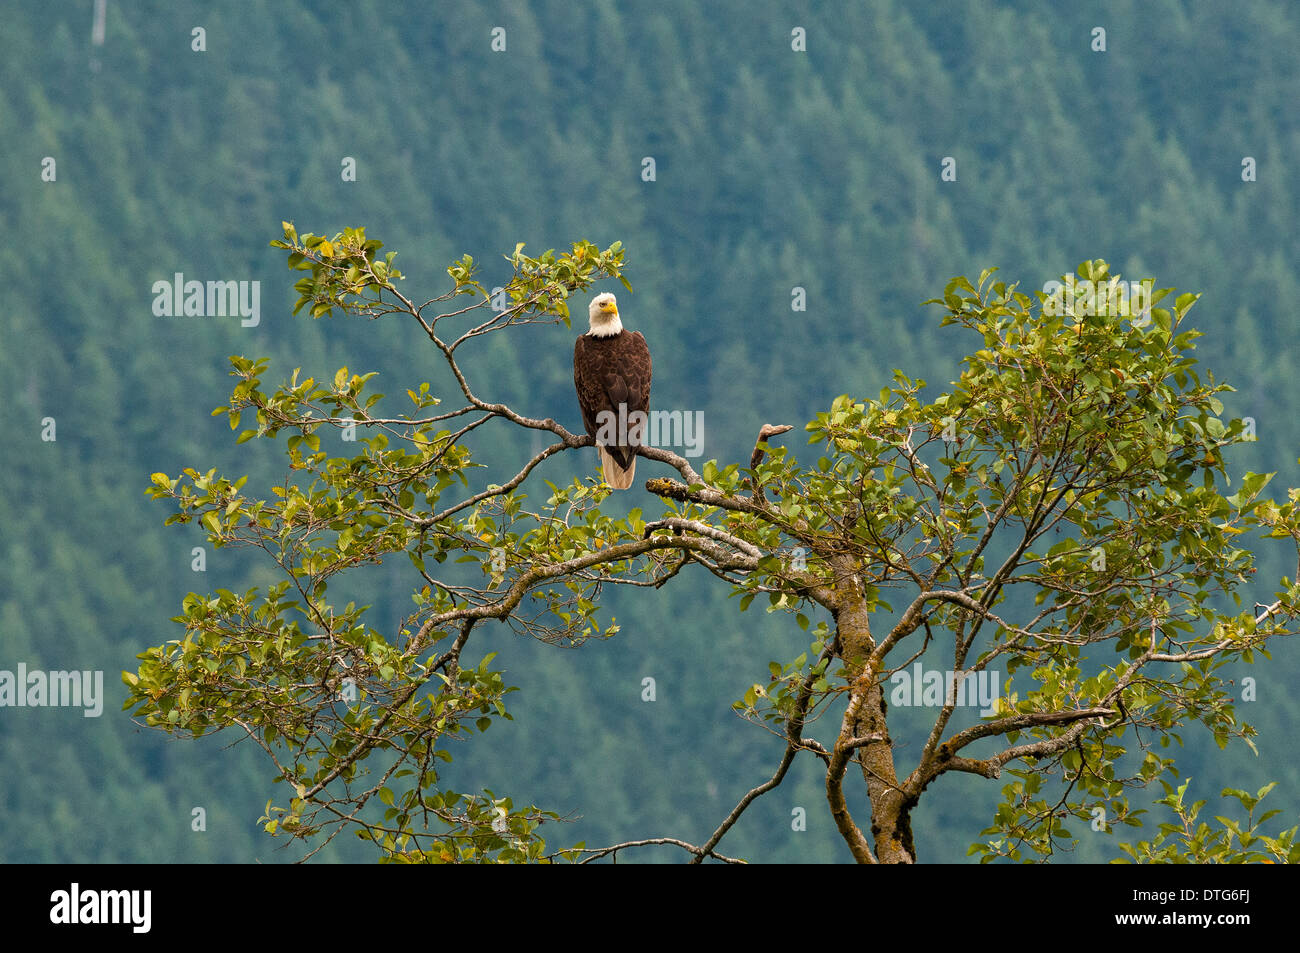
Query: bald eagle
611	371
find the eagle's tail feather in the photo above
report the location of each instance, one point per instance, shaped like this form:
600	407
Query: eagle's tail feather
615	475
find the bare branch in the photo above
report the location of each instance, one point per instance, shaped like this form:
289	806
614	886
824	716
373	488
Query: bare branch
699	852
849	830
760	448
704	529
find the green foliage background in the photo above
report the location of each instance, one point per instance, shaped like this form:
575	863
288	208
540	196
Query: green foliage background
775	169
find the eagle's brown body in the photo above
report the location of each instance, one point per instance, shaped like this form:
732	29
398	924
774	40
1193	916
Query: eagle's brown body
612	377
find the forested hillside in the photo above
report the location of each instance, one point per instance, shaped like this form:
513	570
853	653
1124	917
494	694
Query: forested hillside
774	169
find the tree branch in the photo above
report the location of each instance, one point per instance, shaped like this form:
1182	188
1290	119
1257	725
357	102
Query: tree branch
760	449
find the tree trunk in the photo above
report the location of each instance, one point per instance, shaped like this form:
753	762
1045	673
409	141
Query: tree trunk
865	733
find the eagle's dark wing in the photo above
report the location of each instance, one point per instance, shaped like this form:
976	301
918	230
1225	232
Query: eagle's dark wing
636	373
608	372
585	383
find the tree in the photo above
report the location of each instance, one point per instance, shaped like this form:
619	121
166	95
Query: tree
1056	513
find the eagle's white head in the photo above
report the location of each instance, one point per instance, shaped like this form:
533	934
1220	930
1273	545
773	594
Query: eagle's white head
603	314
